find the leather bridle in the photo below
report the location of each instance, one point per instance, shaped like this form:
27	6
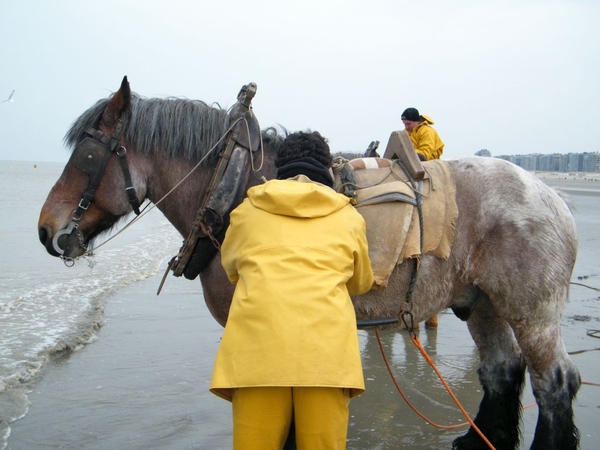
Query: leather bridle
91	156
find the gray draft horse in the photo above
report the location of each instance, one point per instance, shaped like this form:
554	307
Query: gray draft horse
507	275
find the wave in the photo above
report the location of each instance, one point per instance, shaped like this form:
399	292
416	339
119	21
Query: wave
62	311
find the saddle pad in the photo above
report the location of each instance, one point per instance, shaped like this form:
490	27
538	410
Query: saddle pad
387	202
385	247
440	214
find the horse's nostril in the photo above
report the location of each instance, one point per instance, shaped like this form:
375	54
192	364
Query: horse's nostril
43	234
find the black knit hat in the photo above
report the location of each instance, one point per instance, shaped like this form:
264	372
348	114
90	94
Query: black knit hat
305	153
304	145
411	114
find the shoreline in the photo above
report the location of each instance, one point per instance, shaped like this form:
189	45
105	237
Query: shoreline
567	176
571	184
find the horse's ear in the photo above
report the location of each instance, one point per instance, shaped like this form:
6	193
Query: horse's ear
118	105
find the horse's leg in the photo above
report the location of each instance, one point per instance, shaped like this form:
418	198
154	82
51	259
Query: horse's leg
432	322
554	381
501	374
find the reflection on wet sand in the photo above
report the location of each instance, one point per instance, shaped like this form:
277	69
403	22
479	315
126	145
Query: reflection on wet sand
380	419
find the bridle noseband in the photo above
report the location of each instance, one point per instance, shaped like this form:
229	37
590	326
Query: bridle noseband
91	156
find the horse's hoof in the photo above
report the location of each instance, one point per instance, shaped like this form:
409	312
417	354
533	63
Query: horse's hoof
466	443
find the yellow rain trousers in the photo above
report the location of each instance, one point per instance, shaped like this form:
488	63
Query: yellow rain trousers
262	416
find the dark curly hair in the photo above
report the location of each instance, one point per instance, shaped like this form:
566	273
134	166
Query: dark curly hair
304	144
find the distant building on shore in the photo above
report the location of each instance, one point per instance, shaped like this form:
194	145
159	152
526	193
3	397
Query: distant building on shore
571	162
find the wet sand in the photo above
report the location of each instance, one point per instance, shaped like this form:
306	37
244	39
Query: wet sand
144	383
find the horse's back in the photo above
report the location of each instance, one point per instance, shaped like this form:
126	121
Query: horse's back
504	192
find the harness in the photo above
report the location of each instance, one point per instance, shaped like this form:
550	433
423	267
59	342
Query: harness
91	156
225	190
401	153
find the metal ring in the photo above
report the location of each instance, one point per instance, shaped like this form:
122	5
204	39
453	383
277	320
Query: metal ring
55	245
69	262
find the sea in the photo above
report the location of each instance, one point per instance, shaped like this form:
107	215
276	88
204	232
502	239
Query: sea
46	308
154	398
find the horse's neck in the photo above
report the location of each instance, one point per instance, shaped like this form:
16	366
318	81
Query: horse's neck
181	205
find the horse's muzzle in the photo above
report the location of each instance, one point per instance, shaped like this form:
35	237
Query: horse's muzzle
45	236
64	243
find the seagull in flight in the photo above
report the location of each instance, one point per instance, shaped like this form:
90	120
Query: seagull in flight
10	97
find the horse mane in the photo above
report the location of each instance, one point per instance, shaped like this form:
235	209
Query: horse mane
179	127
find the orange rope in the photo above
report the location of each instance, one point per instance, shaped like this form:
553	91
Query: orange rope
423	352
417	343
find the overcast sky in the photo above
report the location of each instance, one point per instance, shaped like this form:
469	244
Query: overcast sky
513	77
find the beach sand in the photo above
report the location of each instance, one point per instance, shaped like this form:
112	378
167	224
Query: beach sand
143	384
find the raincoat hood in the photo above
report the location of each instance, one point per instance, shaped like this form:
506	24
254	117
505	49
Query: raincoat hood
297	197
427	119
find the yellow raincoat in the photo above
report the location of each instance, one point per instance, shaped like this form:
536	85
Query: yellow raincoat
295	250
426	140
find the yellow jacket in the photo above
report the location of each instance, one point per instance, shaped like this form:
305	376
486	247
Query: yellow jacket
296	251
426	140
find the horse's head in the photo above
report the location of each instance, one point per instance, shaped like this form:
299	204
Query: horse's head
96	187
173	146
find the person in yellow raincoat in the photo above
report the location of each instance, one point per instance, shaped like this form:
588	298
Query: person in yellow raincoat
425	139
295	250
